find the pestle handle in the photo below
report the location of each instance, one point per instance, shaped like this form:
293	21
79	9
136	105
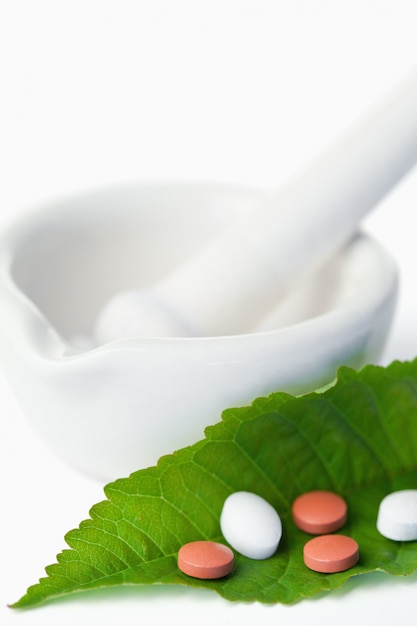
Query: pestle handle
233	281
236	278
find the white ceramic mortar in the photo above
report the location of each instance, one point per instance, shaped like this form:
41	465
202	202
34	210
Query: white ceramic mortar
116	408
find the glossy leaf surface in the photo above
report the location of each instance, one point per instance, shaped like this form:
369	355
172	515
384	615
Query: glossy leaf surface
358	438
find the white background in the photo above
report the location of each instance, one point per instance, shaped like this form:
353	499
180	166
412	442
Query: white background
96	92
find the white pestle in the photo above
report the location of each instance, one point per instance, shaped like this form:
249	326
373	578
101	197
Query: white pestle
233	281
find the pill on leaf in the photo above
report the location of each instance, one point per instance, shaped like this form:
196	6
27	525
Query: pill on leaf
329	554
397	515
205	559
319	512
251	525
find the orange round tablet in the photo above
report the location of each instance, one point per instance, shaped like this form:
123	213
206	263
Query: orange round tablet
205	559
331	553
319	512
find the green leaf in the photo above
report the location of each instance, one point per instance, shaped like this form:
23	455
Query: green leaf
358	438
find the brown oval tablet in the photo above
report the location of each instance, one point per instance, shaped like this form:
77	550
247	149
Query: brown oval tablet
331	553
319	512
205	559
